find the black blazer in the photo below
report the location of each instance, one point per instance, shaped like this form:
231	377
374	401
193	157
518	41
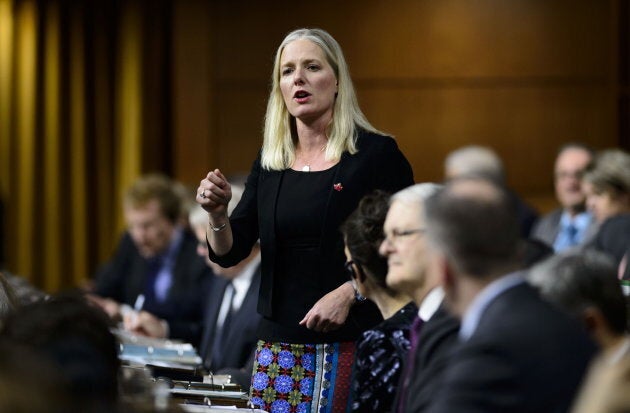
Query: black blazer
242	332
123	279
378	164
525	356
437	338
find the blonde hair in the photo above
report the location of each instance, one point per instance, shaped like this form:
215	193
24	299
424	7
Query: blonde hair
279	141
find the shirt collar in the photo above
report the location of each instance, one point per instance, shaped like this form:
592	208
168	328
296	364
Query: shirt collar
580	221
243	280
473	315
431	303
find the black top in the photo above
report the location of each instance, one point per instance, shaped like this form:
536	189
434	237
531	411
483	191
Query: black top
381	353
299	216
378	164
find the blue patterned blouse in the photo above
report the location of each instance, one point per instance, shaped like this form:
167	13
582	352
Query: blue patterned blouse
381	354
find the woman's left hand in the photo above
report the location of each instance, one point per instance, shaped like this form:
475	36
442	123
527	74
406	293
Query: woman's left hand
331	311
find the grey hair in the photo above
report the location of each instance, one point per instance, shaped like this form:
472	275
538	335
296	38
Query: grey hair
417	193
475	160
576	280
610	172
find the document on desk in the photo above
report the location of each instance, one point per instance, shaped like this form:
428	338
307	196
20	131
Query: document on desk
210	393
127	337
141	350
168	356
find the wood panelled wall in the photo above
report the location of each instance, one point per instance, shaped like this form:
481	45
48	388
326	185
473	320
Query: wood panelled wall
520	76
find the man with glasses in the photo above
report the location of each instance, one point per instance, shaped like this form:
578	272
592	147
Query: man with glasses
571	224
433	331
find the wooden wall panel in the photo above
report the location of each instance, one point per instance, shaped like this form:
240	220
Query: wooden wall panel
522	76
524	125
192	70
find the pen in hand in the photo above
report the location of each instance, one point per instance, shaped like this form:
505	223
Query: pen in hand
130	319
139	303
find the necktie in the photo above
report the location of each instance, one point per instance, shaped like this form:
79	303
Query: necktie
152	269
414	338
571	232
225	315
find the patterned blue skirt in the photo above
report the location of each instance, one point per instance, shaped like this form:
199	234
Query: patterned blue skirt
302	378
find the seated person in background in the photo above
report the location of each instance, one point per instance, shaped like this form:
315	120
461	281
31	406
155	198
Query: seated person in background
381	350
607	188
156	266
75	338
571	224
516	352
483	162
434	331
585	285
230	322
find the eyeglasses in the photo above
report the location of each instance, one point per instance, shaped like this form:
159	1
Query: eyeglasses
562	175
349	266
396	235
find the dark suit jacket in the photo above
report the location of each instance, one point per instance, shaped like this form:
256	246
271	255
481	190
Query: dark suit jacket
123	279
547	228
241	335
525	356
437	338
378	164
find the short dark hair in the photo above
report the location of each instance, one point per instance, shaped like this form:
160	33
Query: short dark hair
579	279
363	234
477	230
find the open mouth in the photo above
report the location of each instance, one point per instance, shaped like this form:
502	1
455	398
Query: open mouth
301	94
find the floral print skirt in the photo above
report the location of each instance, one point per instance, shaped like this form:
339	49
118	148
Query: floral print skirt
302	378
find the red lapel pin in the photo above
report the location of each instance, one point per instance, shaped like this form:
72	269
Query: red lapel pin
338	187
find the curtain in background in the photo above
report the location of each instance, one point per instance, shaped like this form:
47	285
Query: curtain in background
84	110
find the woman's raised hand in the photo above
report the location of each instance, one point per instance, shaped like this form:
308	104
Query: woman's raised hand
214	194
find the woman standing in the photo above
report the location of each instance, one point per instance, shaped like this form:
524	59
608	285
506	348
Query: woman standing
320	155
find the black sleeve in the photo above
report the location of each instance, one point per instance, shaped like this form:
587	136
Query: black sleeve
391	170
244	222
